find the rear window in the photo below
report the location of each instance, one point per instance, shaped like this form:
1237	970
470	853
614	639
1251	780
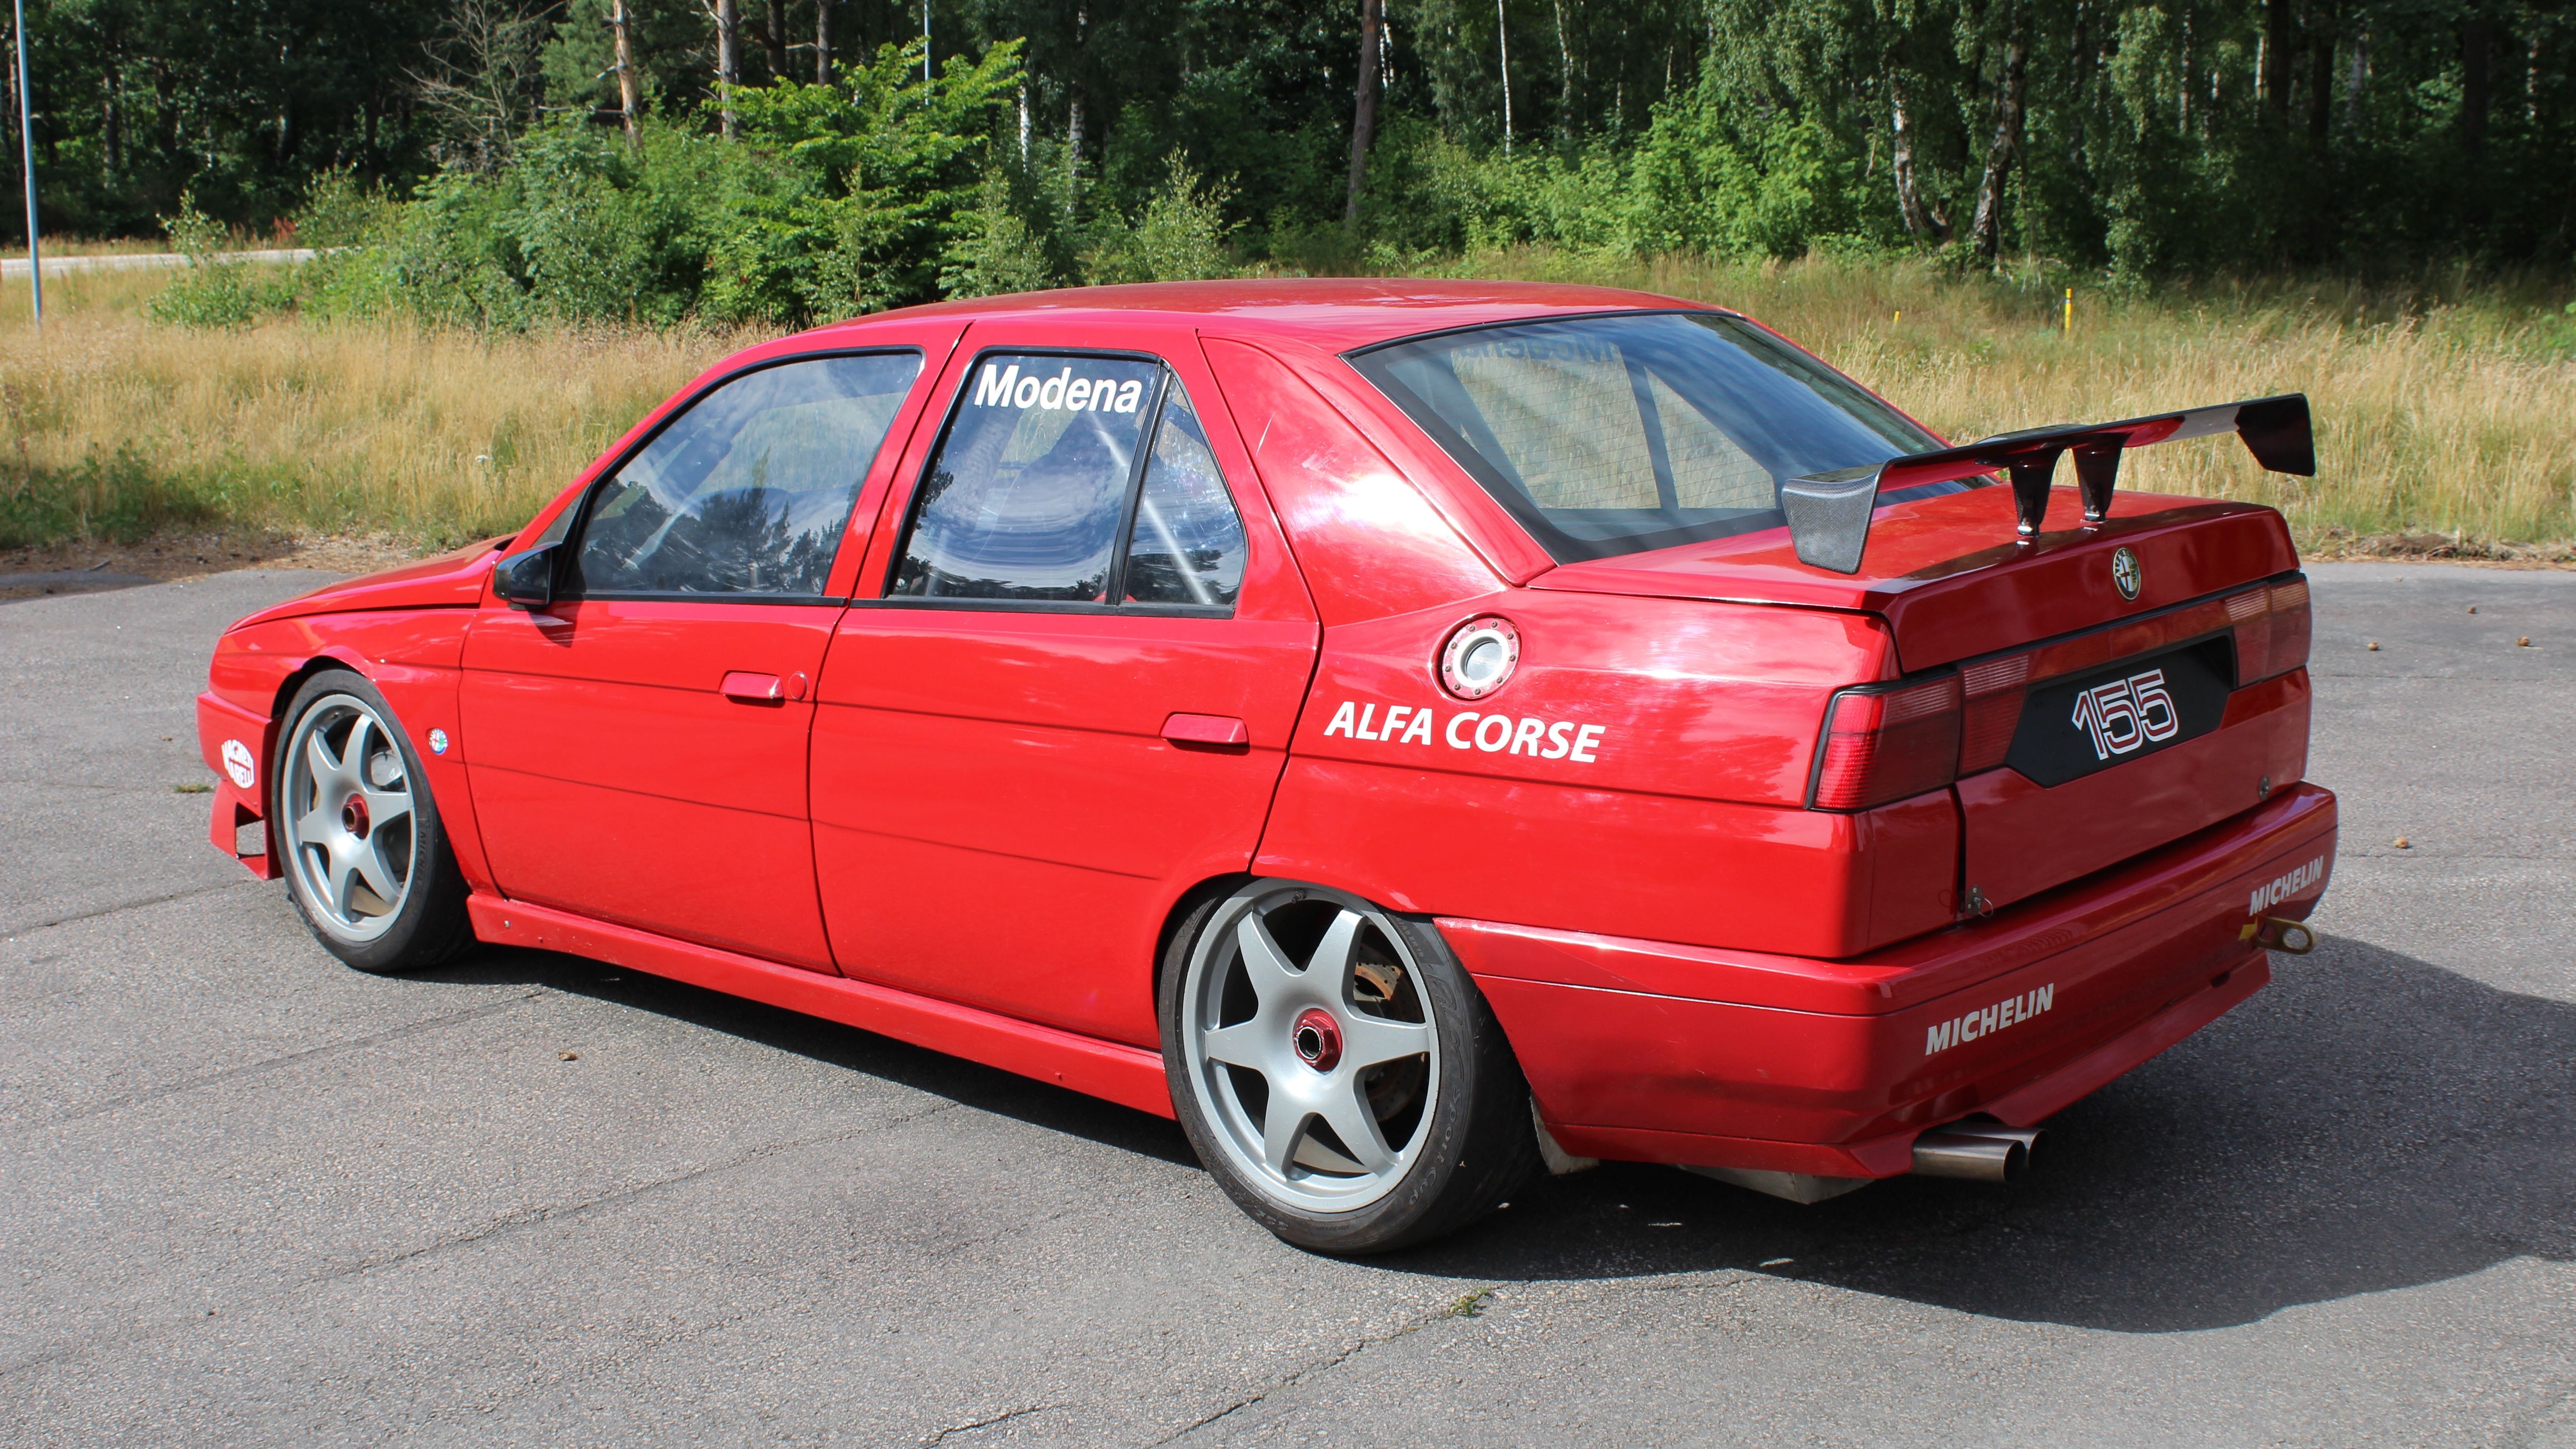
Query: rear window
1613	435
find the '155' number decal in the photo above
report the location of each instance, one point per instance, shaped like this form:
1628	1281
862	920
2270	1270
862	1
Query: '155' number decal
2127	713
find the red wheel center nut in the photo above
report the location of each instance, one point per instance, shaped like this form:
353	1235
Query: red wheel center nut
353	815
1317	1038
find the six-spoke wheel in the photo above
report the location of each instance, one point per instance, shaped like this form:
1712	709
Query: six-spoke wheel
365	859
1337	1071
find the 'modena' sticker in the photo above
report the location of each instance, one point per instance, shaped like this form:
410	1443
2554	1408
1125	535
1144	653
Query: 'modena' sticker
237	764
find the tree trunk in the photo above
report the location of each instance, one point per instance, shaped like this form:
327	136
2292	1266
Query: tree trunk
2477	72
2321	49
1923	219
1566	117
1986	228
823	42
728	59
773	38
1073	143
1364	107
1503	45
1073	109
2276	60
1024	120
630	90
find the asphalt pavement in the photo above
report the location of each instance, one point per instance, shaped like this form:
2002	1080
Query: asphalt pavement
248	1196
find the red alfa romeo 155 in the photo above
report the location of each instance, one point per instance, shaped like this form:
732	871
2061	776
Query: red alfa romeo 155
1413	733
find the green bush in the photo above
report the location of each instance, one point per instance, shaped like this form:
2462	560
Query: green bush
214	290
1179	235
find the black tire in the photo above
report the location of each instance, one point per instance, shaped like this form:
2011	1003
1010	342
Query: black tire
1463	1153
427	924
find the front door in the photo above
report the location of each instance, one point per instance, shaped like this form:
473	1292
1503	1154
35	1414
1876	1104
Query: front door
1071	697
637	749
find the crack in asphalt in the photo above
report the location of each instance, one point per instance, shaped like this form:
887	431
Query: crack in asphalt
1456	1308
13	932
1003	1417
498	1227
252	1069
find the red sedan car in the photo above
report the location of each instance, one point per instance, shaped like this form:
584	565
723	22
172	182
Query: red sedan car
1413	733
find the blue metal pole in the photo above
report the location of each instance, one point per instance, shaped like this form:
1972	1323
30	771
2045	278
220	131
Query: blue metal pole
27	155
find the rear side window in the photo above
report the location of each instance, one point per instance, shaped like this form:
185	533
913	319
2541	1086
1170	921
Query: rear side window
1044	491
1187	544
1612	435
748	491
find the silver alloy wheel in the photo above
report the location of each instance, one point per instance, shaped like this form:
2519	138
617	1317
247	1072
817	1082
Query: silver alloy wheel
1311	1047
350	832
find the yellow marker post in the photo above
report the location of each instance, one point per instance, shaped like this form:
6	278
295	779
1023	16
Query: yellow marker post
2070	309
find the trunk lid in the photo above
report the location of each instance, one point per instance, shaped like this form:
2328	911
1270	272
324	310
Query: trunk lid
2042	799
1953	583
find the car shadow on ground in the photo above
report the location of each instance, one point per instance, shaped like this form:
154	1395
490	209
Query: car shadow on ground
2367	1122
968	1083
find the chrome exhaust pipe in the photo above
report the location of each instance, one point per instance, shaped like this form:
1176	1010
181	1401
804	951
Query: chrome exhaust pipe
1976	1151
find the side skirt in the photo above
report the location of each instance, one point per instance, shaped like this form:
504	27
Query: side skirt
1129	1076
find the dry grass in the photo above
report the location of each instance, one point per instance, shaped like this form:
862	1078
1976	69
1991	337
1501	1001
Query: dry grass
2438	410
89	246
2436	414
112	425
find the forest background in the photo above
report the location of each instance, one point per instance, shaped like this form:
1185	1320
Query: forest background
2368	199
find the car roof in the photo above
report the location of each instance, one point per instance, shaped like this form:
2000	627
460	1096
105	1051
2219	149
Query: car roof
1334	313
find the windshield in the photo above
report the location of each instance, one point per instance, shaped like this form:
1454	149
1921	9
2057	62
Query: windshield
1613	435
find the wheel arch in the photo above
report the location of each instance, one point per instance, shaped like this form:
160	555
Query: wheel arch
1215	887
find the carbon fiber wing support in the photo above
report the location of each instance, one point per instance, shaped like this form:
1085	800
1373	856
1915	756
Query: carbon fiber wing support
1829	513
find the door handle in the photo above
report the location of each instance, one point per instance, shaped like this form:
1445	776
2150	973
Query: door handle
1206	729
755	688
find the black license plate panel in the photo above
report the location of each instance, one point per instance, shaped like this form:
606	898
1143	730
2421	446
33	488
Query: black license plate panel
2081	723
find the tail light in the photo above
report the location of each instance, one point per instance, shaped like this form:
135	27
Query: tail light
2272	625
1994	691
1884	743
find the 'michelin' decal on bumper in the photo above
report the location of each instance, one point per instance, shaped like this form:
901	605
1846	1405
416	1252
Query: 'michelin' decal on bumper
2009	1012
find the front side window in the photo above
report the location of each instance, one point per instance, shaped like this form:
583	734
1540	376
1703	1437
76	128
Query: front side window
749	490
1043	491
1612	435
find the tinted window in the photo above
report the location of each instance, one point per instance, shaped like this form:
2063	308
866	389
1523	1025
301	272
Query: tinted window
1187	544
1026	495
748	491
1609	435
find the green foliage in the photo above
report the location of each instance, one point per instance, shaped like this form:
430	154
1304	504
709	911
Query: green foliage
117	495
1179	235
995	250
831	200
214	290
2159	140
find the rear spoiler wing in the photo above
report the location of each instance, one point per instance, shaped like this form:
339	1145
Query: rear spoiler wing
1829	513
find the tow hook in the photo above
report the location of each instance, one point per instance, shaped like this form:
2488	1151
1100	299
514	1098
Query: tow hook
2290	938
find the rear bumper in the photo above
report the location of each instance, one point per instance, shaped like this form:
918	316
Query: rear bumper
1645	1051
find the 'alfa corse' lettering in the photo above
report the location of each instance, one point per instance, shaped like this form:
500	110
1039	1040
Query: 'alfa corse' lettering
1986	1021
1494	734
1062	392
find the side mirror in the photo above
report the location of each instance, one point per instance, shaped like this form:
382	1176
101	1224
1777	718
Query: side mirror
526	580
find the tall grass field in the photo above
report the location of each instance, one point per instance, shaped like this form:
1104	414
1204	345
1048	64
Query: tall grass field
2443	410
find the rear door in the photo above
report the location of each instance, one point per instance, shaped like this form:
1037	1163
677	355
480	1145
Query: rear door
637	749
1068	693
